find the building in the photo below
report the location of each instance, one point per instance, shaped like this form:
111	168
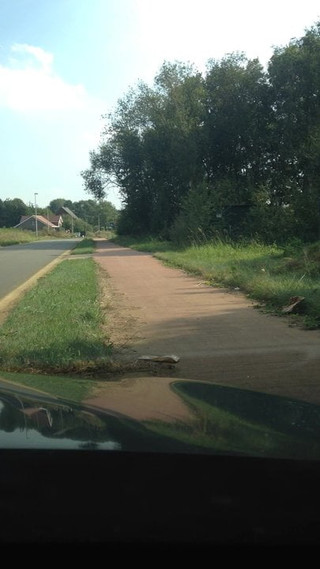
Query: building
28	222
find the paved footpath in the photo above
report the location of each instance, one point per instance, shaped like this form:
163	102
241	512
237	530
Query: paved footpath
218	335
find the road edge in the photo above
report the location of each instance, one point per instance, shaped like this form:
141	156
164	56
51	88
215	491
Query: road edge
8	302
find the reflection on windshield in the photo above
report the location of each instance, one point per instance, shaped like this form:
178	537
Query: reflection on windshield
27	424
43	423
225	421
234	421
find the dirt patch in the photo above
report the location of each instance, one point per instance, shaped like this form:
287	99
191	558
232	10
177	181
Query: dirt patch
156	310
121	322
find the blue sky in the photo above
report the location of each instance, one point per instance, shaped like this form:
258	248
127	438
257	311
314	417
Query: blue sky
64	63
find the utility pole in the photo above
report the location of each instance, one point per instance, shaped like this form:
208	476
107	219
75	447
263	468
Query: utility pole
35	207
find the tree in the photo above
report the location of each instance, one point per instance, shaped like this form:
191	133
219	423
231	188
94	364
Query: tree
151	149
236	128
11	211
238	140
294	73
57	204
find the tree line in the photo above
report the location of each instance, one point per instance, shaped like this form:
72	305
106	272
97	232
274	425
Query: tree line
234	151
92	214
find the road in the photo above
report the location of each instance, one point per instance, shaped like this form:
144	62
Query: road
18	263
217	334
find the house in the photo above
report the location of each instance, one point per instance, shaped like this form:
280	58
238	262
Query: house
55	219
29	222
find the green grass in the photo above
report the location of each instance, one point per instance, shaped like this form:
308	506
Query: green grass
72	389
56	328
147	244
10	236
104	234
15	236
267	273
84	247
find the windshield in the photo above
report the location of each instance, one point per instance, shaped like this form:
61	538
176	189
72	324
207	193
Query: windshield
159	215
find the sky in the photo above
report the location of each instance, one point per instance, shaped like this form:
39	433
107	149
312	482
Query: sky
65	63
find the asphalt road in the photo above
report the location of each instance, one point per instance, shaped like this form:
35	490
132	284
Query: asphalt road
20	262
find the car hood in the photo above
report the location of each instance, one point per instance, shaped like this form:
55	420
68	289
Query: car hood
221	420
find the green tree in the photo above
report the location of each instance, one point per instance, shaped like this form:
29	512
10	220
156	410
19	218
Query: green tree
11	211
294	74
151	149
239	142
236	128
94	213
57	204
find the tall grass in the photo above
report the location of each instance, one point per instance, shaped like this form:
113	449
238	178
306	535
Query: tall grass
11	236
15	236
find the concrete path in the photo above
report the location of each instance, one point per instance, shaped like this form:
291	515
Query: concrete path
219	336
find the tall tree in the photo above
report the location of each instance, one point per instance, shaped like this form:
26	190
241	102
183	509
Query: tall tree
239	137
151	148
237	113
294	73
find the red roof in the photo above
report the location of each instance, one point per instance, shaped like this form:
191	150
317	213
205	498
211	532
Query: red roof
40	218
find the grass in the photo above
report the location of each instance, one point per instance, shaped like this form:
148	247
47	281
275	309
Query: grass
104	234
84	247
64	387
9	236
56	328
15	236
267	273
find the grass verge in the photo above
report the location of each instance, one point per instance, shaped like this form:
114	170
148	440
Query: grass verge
57	327
64	387
267	273
84	247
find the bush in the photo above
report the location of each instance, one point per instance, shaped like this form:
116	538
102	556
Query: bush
195	221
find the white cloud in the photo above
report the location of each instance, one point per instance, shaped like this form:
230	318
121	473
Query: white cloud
29	83
37	53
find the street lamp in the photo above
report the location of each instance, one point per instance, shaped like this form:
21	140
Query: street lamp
35	207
